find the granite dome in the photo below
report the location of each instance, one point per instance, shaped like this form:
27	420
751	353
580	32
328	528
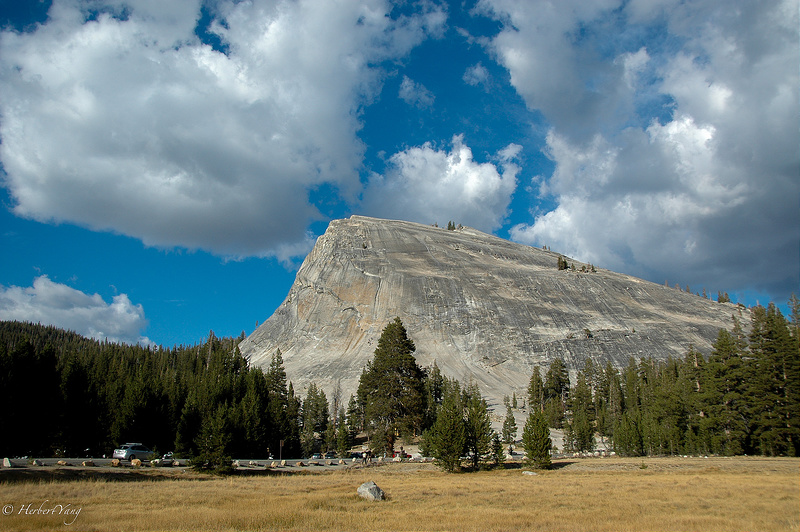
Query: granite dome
482	307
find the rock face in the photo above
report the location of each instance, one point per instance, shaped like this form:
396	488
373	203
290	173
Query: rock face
482	307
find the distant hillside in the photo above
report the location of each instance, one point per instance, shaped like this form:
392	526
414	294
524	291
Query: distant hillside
482	307
12	333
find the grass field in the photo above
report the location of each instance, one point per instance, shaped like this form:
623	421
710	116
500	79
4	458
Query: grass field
653	494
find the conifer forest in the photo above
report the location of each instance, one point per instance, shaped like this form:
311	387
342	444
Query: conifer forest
66	395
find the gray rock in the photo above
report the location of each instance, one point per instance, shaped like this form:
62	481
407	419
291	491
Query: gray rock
371	491
7	463
482	307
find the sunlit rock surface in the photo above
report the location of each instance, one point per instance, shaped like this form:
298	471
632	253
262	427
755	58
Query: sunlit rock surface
482	307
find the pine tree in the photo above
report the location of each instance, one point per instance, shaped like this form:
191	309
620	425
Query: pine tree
291	442
536	390
434	389
315	409
536	441
254	416
213	443
497	449
343	440
355	416
447	437
392	388
691	373
315	419
582	414
602	393
569	438
556	391
277	403
478	426
509	426
336	403
724	396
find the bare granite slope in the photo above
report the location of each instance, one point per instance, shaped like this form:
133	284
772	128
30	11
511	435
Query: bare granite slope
482	307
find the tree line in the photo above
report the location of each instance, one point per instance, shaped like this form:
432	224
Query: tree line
66	395
744	398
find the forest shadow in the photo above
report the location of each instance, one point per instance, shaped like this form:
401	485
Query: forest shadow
18	475
70	474
554	465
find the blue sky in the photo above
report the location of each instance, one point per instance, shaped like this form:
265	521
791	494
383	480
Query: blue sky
167	165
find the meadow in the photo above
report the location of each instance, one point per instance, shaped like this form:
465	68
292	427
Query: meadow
608	494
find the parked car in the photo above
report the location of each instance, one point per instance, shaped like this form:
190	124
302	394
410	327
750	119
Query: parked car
330	455
316	456
129	451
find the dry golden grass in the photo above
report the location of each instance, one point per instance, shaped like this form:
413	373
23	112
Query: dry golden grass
597	494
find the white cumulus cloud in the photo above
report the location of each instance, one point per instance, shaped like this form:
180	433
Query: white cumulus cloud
427	185
415	94
677	160
51	303
476	75
572	85
115	116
